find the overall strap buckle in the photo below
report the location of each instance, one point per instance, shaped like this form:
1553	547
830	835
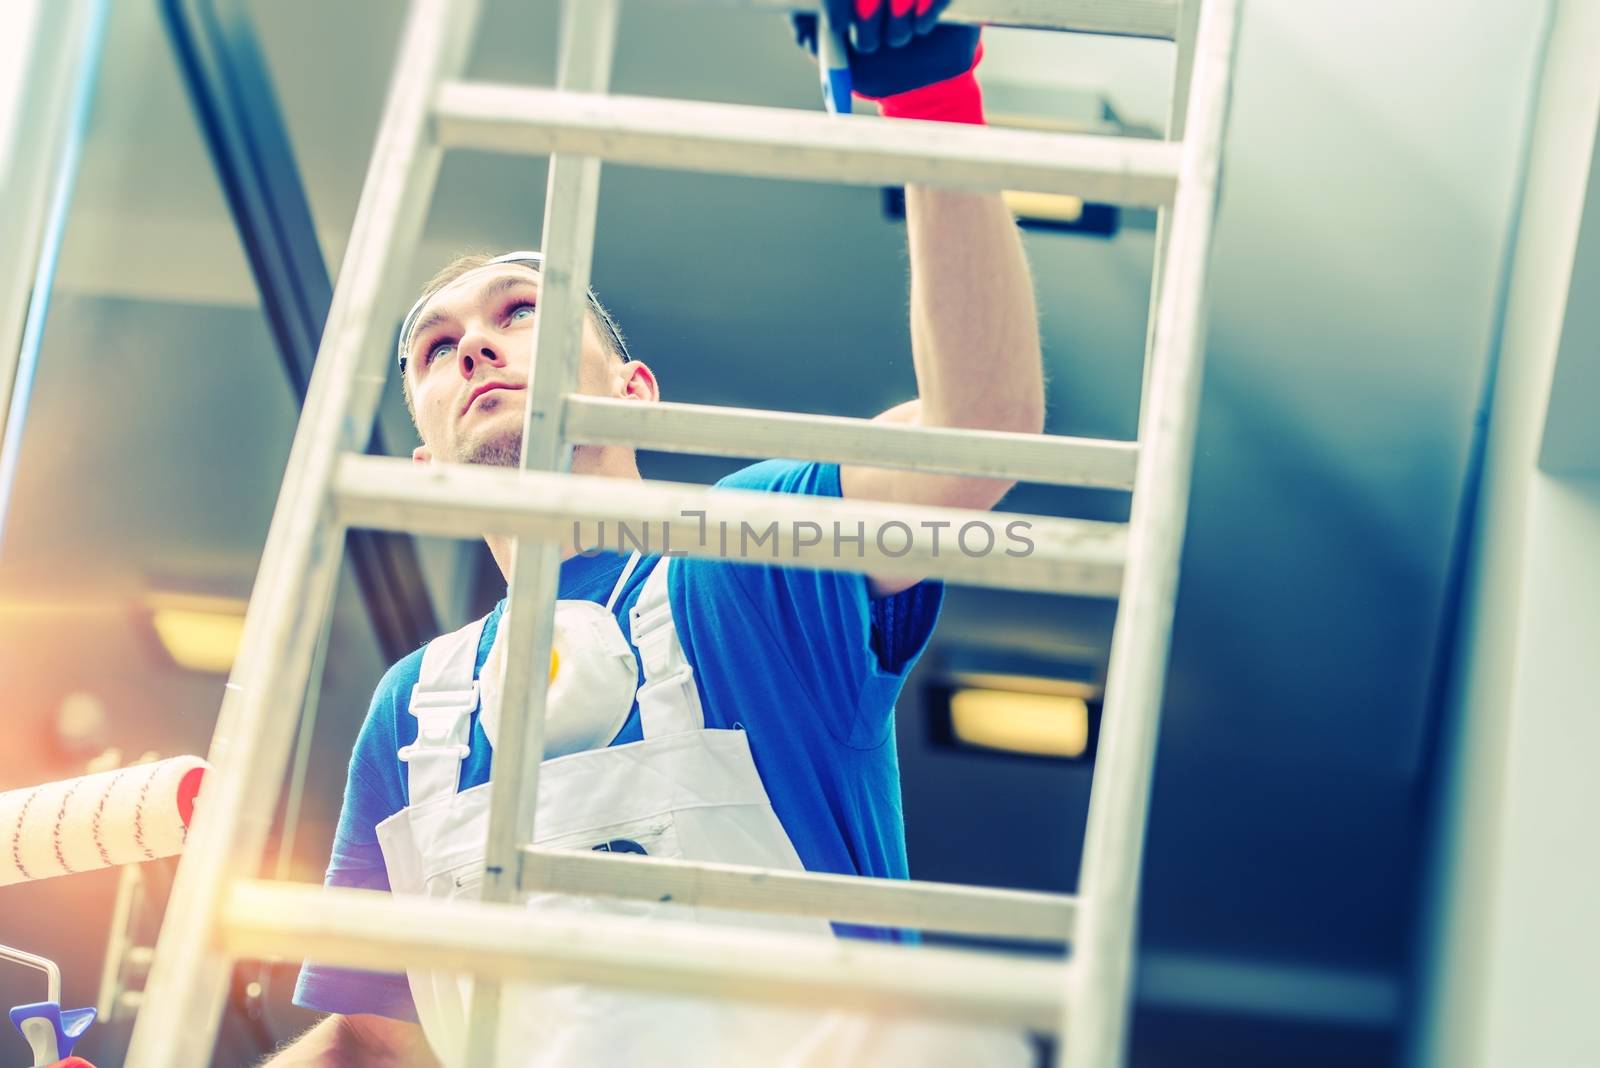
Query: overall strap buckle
433	761
442	702
669	702
440	715
655	638
651	629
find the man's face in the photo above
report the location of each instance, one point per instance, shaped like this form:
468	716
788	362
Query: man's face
468	367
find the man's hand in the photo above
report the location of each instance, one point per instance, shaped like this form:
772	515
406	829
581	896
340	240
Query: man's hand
913	65
874	23
359	1039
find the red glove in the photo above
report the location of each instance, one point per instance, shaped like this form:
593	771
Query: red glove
958	98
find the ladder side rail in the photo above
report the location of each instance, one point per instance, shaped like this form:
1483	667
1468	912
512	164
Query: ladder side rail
1177	108
587	46
34	135
1077	556
1100	979
1116	18
795	145
44	99
951	908
1186	38
371	929
713	430
294	584
44	123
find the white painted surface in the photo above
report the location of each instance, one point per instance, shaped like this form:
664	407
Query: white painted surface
1515	950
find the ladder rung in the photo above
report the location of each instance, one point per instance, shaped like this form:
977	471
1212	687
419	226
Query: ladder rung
802	145
1120	18
372	929
713	430
460	500
929	906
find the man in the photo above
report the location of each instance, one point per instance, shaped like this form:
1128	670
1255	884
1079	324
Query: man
802	666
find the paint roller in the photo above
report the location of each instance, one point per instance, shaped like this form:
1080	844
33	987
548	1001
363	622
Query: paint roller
125	816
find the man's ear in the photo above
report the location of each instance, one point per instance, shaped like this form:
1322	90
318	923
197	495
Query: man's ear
421	455
635	381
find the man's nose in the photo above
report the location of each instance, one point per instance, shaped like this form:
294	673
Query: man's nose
480	349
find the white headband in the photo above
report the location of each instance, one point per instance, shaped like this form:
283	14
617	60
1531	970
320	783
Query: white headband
526	259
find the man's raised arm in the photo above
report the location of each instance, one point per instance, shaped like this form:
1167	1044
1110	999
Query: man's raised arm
974	324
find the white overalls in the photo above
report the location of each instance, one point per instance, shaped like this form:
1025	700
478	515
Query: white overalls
682	791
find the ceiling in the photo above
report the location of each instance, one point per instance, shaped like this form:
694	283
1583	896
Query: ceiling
1358	259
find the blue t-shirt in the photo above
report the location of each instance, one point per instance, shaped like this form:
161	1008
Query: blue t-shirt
807	662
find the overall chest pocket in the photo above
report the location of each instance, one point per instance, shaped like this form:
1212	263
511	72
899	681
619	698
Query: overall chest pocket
654	836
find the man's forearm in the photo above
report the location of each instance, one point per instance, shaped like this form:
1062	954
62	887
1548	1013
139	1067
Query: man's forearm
974	324
368	1041
323	1045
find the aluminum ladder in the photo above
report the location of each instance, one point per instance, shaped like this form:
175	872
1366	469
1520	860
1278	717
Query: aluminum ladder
220	912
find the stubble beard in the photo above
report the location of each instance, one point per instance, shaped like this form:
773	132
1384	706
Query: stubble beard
497	443
501	450
504	449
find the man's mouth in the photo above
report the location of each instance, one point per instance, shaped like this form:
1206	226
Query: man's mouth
488	387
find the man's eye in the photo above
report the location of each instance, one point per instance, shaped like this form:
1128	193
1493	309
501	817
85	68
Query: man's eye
520	313
444	348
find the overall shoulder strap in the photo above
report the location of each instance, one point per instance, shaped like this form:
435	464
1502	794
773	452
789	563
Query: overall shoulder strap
443	700
669	703
622	580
